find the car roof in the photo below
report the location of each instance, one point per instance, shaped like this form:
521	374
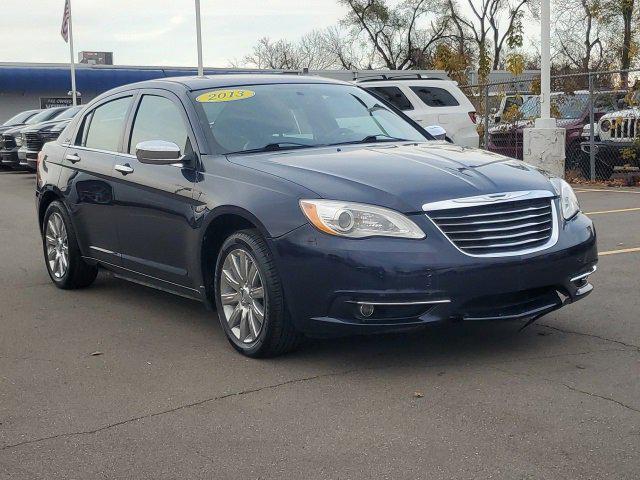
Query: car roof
191	83
432	82
231	80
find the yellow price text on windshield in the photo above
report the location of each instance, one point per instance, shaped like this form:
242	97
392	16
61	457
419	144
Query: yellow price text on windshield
226	95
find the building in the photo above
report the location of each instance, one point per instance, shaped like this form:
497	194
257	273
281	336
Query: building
25	86
96	58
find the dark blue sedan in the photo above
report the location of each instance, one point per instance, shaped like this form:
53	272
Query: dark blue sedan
299	205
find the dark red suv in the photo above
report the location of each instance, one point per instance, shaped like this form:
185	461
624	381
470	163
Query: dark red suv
571	112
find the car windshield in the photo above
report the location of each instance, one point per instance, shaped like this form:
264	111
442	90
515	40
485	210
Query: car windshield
44	115
20	118
283	116
68	113
562	106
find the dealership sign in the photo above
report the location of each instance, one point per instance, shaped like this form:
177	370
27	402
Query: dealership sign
51	102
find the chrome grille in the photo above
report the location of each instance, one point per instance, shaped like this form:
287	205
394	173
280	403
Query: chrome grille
498	226
625	129
9	142
33	141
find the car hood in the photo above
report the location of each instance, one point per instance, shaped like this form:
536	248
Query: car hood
629	112
399	176
50	125
5	128
13	130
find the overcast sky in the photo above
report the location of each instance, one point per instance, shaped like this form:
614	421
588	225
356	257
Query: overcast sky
155	32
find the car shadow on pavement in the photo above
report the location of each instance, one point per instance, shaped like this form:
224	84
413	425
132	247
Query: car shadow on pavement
436	344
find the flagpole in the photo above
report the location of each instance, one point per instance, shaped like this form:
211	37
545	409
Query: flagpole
199	39
73	61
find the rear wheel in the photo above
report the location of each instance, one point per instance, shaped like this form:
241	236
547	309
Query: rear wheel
249	298
63	259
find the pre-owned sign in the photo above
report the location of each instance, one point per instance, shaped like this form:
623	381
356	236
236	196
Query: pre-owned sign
50	102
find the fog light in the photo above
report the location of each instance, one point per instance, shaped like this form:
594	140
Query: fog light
366	310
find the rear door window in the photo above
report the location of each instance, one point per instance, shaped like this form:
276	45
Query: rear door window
394	96
435	97
102	128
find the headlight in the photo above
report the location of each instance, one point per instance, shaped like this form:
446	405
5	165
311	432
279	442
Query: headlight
568	199
19	140
605	126
356	220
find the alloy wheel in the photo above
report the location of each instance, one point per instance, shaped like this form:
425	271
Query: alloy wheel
242	295
57	243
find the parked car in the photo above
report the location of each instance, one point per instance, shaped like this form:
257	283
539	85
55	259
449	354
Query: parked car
12	138
616	134
13	122
302	205
17	120
34	137
429	102
509	102
571	112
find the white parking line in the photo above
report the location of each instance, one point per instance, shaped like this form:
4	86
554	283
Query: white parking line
634	209
623	250
585	190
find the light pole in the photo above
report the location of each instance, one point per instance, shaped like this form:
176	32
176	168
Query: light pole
199	39
543	144
545	120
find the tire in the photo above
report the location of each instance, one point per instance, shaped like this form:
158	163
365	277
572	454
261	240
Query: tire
55	227
239	315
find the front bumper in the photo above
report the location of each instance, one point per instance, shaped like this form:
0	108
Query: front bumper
27	158
466	137
9	158
413	282
612	152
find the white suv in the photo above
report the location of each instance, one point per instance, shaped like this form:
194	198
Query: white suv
430	102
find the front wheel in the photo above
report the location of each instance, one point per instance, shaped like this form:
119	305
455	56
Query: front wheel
249	298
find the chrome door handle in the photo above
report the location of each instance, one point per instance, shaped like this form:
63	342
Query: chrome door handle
73	157
125	169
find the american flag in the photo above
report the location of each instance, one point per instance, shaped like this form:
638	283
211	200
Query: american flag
64	31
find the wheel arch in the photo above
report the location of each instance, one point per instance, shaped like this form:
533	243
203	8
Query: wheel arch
47	197
219	224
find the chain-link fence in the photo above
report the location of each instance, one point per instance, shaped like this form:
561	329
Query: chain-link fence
610	101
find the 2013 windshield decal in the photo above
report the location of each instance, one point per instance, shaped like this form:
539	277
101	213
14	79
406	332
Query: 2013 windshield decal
225	95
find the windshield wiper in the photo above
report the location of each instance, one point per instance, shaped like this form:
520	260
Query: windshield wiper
373	138
271	147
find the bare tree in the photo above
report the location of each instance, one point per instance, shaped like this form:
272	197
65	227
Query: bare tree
578	32
489	26
626	9
345	49
311	51
399	37
269	54
621	18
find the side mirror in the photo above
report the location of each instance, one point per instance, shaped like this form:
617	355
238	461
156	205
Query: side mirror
436	131
158	152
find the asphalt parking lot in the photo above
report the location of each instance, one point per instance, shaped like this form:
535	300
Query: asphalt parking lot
167	397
